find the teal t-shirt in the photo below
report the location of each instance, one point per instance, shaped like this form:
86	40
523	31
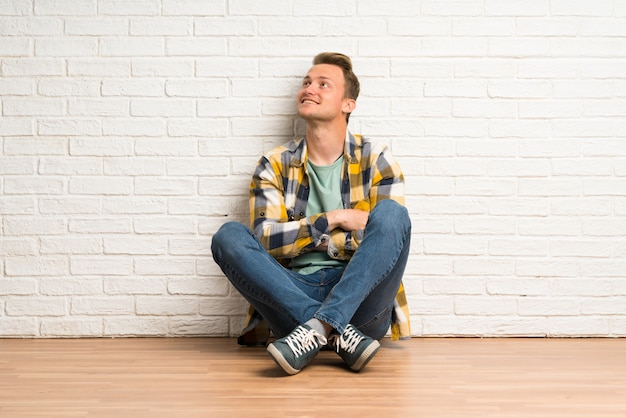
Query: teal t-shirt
324	196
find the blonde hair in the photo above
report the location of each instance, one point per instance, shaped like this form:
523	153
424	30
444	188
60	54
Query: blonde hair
351	81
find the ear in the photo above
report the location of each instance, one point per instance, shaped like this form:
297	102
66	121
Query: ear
349	105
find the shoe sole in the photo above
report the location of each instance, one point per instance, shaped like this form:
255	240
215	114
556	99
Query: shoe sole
280	360
366	356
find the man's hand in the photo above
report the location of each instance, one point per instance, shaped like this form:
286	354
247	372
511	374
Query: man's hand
347	219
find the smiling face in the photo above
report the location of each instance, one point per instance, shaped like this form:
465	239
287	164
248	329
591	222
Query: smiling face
322	95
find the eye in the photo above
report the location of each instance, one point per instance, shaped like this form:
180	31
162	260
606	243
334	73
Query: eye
306	83
324	84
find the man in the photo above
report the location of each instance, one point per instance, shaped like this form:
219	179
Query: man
330	236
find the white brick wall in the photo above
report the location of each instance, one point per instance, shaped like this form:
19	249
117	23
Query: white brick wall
129	130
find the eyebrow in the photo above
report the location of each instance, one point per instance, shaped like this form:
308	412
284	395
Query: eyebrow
307	77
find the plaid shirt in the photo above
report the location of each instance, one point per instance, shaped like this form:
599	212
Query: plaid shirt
279	193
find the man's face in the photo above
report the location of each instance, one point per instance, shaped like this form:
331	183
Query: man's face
321	97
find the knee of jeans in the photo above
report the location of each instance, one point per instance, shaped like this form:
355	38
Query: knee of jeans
391	211
226	237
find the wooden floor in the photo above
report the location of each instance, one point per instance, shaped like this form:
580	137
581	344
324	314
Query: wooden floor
213	377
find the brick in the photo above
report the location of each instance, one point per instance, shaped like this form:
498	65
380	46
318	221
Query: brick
69	166
71	88
70	286
549	187
194	7
100	225
162	108
162	67
516	286
200	167
66	47
18	246
163	186
134	205
212	326
477	305
580	248
477	226
546	268
452	8
198	127
101	185
101	265
166	306
235	67
181	46
519	207
555	226
130	285
454	245
581	8
18	287
611	306
160	266
23	306
133	87
576	326
131	47
198	287
198	88
132	8
98	107
134	245
165	225
165	26
215	206
516	8
70	205
69	127
67	327
98	67
141	127
33	67
17	205
57	7
134	166
484	267
548	26
71	245
26	226
19	327
96	27
101	306
486	68
231	107
134	326
15	47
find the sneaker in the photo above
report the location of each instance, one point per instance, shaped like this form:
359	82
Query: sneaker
297	349
354	347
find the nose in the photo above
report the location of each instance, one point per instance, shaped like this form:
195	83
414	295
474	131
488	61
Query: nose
307	88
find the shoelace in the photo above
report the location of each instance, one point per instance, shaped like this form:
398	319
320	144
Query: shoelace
302	340
349	340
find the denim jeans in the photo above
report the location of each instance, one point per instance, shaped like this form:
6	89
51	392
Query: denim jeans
361	293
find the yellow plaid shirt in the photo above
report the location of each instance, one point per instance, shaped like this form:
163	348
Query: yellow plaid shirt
278	197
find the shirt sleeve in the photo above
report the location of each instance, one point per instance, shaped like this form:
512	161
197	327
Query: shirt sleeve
380	177
279	231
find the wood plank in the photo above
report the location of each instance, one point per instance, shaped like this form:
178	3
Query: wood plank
187	377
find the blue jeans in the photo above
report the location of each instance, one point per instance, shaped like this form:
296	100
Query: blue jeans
362	293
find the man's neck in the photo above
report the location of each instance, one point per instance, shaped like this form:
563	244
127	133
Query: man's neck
325	142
